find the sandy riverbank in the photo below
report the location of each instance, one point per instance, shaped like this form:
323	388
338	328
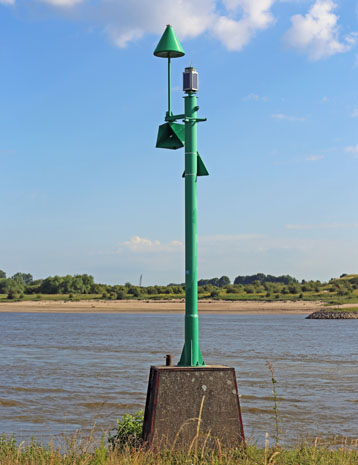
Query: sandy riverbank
137	306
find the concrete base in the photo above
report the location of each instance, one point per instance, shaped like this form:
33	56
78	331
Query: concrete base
190	407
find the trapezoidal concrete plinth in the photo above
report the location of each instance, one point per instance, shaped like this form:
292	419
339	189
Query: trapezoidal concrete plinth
192	407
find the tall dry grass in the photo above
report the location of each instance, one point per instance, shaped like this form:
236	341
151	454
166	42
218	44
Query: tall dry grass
77	452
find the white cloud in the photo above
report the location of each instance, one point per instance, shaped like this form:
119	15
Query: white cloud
65	3
236	33
317	33
282	116
7	2
355	113
126	21
324	99
121	39
234	22
142	244
352	149
315	158
254	98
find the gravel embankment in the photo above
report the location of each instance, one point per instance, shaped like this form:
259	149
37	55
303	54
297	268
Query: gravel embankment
332	315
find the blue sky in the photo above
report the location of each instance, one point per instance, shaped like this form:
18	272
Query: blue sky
83	188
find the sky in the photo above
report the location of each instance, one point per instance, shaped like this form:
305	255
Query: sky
83	188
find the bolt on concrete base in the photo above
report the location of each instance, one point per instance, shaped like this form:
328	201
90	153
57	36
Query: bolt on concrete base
189	408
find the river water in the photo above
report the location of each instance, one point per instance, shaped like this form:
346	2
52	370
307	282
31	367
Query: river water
65	372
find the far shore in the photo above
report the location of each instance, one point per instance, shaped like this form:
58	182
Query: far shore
160	306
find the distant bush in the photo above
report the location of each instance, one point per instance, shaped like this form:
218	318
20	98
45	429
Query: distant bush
79	284
262	278
249	289
218	282
151	290
134	291
294	288
12	294
178	289
121	294
342	292
231	290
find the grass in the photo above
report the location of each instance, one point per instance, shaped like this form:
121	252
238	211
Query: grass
345	310
329	298
340	300
52	297
88	453
347	277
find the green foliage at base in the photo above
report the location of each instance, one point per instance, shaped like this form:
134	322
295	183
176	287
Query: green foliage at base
128	431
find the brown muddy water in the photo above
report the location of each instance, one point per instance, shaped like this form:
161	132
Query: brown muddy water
60	373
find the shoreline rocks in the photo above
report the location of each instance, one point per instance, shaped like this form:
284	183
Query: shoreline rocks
332	315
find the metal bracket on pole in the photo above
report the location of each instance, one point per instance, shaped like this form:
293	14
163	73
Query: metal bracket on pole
172	118
197	120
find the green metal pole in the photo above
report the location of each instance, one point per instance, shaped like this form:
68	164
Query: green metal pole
169	89
170	136
191	355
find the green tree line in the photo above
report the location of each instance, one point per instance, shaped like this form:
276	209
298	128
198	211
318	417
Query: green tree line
257	286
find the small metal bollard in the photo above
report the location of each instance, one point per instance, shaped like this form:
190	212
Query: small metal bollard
168	360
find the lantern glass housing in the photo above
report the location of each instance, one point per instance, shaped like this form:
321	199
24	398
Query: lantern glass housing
190	80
